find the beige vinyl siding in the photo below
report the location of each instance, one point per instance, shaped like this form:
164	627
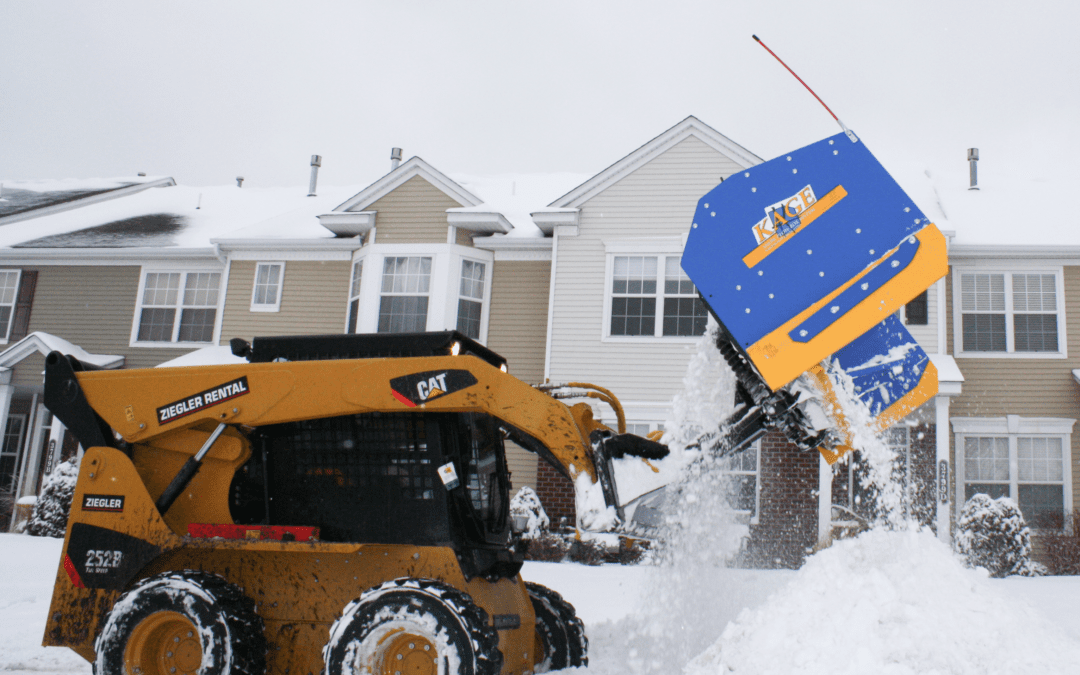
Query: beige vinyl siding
314	300
1025	386
927	336
522	465
414	213
94	308
517	329
658	199
464	237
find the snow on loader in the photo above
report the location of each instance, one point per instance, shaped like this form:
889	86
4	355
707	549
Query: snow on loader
337	504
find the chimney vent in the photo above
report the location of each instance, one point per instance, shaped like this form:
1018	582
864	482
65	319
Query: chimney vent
395	158
239	181
316	162
973	162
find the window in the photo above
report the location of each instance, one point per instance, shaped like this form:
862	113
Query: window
1030	468
1010	313
9	287
10	451
406	284
743	469
915	312
471	298
644	303
178	307
266	295
354	294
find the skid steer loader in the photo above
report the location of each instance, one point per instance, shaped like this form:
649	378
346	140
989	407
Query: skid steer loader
337	504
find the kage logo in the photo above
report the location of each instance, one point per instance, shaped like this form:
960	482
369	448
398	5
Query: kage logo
419	388
783	217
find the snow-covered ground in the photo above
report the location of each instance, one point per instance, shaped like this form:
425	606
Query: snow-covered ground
886	603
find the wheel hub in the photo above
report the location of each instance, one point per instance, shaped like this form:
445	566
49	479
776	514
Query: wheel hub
164	643
404	653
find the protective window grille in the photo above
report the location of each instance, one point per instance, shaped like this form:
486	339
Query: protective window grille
471	298
9	286
406	283
179	306
267	291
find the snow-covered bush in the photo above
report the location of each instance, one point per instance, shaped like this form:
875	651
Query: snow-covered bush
51	510
992	534
1063	548
526	504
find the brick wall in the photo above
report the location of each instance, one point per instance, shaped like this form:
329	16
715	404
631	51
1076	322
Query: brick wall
787	522
556	493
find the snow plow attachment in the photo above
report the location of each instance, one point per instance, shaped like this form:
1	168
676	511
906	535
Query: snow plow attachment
801	255
803	261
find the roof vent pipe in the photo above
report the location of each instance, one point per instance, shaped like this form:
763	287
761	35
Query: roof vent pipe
316	162
973	162
239	181
395	158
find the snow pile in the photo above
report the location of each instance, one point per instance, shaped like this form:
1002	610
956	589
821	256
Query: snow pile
51	509
889	602
527	505
992	534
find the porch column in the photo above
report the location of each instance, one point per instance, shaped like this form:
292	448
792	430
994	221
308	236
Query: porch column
944	470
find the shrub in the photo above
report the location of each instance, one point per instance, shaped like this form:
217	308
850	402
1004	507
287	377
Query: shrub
1063	549
526	504
992	534
51	510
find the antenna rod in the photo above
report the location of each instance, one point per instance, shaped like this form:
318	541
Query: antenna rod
846	130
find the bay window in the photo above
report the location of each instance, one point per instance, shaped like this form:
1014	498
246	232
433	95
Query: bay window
406	284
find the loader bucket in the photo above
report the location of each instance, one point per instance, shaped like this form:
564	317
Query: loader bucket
886	370
801	255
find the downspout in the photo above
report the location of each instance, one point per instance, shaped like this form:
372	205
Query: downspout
551	302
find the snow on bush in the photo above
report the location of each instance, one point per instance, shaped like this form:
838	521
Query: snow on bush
992	534
525	503
896	602
51	510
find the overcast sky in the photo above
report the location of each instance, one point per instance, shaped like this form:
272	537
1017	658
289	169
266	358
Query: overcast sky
204	92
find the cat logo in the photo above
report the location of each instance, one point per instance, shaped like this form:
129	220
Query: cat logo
420	388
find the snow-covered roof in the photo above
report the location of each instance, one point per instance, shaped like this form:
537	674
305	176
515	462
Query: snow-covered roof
516	196
44	343
18	197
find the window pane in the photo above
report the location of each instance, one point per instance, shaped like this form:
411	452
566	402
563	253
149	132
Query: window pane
986	458
472	280
993	490
982	292
915	312
354	308
635	275
156	325
267	282
161	288
357	271
468	319
1035	332
403	314
406	275
684	316
675	280
8	286
633	316
5	320
1034	293
202	289
1039	459
197	325
1043	506
984	333
743	492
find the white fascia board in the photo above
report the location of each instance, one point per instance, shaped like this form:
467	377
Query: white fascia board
391	181
102	256
289	249
513	243
548	220
489	222
348	223
960	252
86	201
691	126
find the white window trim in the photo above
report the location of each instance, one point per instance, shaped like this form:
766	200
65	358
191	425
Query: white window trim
445	283
755	447
485	301
14	302
660	248
276	306
192	267
1013	426
1008	271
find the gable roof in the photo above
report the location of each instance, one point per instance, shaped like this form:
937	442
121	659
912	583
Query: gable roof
410	169
691	126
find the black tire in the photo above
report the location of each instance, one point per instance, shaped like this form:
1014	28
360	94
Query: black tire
191	621
436	619
560	635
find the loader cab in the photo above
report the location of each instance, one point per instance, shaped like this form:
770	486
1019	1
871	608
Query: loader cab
375	477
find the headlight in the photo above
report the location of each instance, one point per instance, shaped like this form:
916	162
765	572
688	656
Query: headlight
455	348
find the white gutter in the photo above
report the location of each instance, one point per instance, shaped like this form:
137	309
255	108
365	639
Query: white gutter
101	256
